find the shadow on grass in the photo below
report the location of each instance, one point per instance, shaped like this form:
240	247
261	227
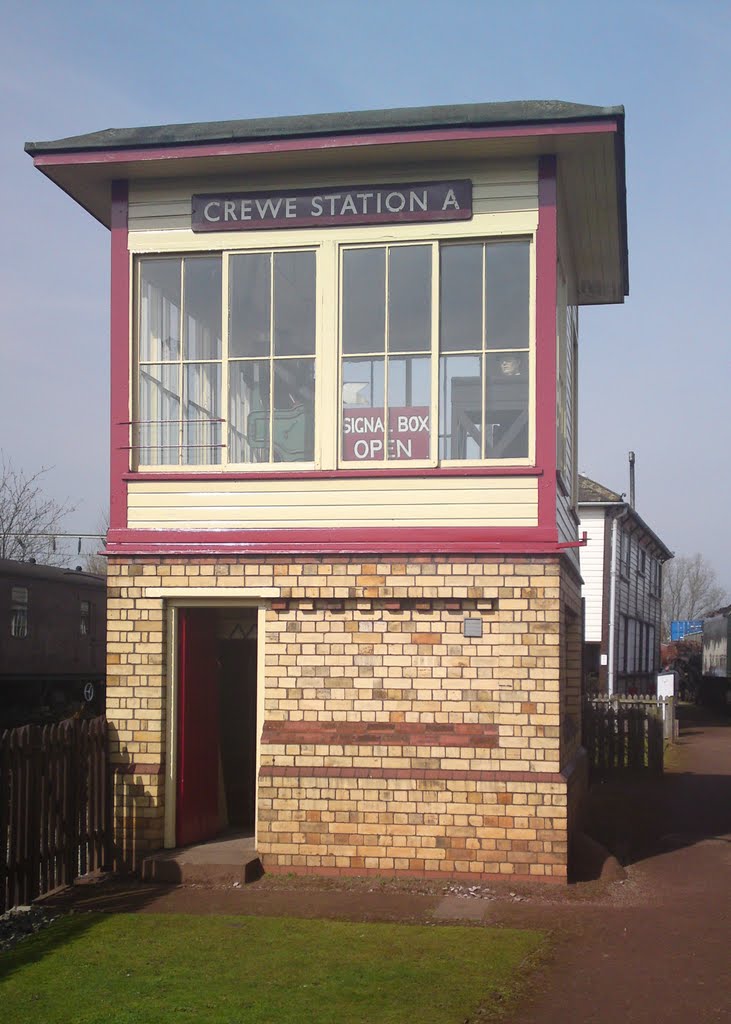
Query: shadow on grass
31	950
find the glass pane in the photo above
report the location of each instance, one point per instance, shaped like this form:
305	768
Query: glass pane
293	428
507	298
460	303
363	423
201	407
460	407
248	412
250	303
159	310
364	300
202	284
506	406
158	432
294	303
409	298
409	389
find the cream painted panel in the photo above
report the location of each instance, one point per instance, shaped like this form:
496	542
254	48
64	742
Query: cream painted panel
493	224
283	504
592	571
160	206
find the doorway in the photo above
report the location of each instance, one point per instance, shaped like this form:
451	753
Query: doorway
216	723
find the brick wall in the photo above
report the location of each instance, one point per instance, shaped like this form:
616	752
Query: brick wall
390	742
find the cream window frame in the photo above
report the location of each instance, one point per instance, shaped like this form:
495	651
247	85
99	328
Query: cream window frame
225	464
437	243
328	335
386	463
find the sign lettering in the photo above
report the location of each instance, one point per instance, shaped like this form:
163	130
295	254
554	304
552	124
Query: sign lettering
242	211
364	434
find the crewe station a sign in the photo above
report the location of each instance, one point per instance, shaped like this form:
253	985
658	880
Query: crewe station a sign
364	204
364	433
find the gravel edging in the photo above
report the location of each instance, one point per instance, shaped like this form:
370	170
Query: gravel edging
20	922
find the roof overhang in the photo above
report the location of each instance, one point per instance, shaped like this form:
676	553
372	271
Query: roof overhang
615	508
587	141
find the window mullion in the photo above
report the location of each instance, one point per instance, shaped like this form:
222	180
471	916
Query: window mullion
386	409
435	356
181	365
271	357
224	400
483	356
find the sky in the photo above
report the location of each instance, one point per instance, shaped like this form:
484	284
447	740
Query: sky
655	371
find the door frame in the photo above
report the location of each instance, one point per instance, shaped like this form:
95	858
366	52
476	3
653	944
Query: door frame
206	597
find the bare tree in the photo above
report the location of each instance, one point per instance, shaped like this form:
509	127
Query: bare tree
96	561
29	519
690	589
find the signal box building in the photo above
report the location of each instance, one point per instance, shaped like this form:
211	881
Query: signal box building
344	592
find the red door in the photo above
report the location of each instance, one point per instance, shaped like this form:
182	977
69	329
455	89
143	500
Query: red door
196	806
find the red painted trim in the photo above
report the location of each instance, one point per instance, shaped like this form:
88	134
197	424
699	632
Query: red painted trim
381	734
321	142
350	540
441	876
187	475
546	297
119	359
325	771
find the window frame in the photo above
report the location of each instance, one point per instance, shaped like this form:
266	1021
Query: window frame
437	244
224	465
19	612
328	349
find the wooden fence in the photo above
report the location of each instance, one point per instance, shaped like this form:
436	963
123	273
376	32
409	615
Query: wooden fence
55	807
627	733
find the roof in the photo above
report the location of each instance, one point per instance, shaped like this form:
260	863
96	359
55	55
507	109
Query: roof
402	118
724	612
9	567
587	141
590	490
593	493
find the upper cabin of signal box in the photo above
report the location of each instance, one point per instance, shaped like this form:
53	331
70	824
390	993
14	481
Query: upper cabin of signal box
351	332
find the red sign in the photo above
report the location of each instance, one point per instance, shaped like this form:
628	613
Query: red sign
364	434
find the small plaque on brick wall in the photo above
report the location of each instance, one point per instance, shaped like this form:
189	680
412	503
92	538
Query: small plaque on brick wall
472	627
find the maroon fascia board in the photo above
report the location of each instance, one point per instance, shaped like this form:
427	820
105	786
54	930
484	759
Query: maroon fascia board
517	540
179	151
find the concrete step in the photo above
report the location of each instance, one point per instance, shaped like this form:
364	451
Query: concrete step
227	860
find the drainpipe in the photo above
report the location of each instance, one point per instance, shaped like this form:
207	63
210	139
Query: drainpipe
611	660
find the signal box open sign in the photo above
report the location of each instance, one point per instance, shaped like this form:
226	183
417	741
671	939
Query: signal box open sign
365	438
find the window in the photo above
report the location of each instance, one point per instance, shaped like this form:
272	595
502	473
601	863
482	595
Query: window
567	335
386	353
271	357
179	399
84	618
651	650
625	554
622	644
19	612
641	561
431	356
263	360
435	334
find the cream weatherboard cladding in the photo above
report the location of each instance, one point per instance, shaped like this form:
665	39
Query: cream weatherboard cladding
162	206
592	571
276	504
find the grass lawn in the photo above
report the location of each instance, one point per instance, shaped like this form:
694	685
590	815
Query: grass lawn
154	969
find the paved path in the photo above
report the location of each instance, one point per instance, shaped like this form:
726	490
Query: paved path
653	948
666	957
